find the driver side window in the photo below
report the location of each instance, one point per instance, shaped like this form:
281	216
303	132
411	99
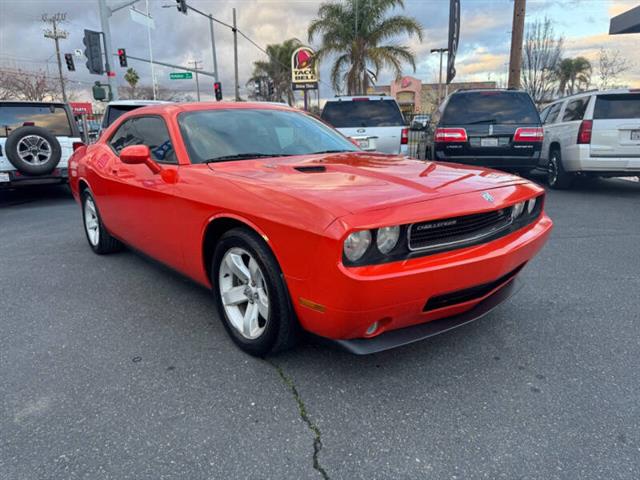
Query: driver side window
150	131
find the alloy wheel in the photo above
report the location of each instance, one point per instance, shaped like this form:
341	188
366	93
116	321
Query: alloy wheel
34	150
91	222
553	170
244	294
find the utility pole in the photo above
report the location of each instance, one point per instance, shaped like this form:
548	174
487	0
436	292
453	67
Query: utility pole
441	51
105	13
57	34
196	68
235	56
517	31
213	48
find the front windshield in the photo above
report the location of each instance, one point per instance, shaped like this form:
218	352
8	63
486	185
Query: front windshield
226	134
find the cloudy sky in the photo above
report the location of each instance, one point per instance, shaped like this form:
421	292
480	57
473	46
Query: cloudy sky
179	39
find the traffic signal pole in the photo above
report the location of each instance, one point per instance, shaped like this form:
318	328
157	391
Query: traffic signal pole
517	32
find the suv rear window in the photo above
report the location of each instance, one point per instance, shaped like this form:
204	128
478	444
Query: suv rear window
490	107
363	113
116	111
52	117
617	106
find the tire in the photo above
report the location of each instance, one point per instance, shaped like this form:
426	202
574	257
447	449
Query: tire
257	326
100	241
33	150
557	177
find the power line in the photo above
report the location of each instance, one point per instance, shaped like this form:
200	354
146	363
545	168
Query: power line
56	34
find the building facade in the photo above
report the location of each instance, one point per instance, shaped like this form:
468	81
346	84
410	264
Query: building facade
414	97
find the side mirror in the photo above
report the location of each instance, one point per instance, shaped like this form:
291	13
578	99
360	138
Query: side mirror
139	154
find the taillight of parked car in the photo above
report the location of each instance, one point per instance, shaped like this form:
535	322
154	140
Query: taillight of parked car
451	135
528	135
404	136
77	145
584	133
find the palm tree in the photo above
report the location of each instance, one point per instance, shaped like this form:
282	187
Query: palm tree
277	69
132	78
357	31
573	74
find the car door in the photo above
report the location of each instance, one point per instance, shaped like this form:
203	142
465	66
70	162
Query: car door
568	129
550	130
140	201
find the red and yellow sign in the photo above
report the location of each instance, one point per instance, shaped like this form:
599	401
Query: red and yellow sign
304	70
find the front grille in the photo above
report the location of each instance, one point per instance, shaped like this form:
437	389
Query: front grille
457	231
468	294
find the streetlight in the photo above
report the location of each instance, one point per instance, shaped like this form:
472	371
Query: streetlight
440	51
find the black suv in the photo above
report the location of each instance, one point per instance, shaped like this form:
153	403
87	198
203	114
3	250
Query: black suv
492	128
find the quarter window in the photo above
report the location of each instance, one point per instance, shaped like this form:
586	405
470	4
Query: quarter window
150	131
575	110
553	113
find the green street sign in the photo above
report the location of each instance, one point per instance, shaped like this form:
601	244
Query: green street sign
181	76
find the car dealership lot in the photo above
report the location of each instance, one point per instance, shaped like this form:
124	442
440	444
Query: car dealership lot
115	367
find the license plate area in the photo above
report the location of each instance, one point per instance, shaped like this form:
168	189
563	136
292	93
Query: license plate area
363	144
488	142
4	177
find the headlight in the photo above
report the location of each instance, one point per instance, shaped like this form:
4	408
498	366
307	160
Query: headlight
518	208
531	204
387	238
356	245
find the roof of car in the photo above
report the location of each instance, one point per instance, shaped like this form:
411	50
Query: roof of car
195	106
472	90
350	98
138	102
30	102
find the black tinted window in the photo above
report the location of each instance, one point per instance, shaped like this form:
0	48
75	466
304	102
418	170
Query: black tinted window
53	118
363	113
490	107
116	111
617	106
553	113
575	110
150	131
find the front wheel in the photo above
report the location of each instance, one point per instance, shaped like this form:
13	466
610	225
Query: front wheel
99	239
251	295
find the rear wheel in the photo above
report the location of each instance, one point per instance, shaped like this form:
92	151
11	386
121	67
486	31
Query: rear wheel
251	295
99	239
557	177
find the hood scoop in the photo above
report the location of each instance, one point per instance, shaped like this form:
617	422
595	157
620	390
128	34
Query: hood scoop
311	168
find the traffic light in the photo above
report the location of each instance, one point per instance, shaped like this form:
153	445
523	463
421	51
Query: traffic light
217	88
270	88
257	88
182	6
99	92
122	56
93	52
68	57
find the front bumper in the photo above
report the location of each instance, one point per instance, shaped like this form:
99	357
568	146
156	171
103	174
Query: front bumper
342	303
408	335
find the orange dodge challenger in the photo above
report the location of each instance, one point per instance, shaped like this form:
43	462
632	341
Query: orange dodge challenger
294	228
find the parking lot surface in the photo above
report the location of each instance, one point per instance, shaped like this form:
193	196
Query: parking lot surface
115	367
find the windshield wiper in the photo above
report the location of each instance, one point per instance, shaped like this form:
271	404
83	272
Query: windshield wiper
245	156
331	151
484	120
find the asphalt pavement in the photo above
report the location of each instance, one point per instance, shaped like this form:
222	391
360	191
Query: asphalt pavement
113	367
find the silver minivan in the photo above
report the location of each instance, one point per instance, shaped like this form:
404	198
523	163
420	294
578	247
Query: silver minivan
374	122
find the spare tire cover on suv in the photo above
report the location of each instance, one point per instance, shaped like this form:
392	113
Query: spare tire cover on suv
33	150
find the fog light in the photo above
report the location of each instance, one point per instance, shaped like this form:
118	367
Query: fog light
531	205
518	208
372	328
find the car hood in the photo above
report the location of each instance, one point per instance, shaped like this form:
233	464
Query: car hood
358	182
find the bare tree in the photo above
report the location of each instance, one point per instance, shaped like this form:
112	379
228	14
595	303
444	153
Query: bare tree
28	85
145	92
610	65
542	54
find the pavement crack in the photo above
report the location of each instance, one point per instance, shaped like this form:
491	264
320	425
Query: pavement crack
304	415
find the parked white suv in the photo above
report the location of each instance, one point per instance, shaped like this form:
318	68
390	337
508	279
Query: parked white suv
593	133
117	108
374	122
36	141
